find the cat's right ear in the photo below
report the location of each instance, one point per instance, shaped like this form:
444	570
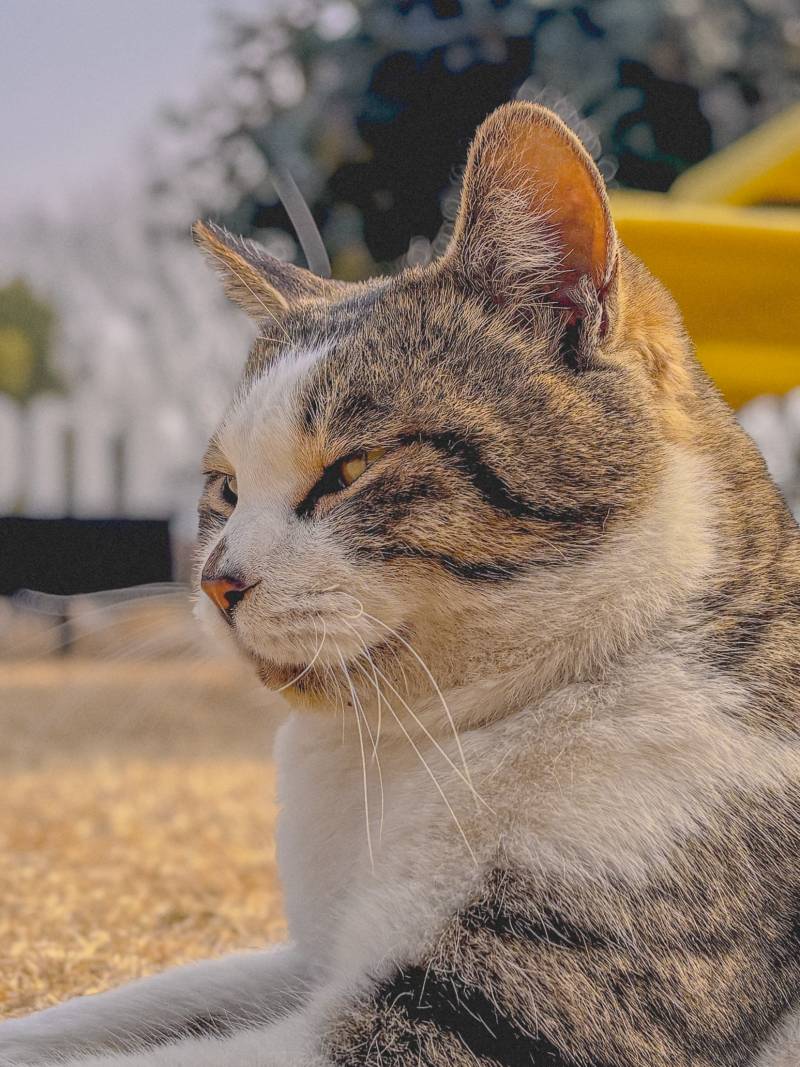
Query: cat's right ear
257	282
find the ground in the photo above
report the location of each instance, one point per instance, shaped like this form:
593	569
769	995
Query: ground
136	829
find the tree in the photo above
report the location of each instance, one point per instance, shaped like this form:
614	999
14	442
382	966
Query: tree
26	333
371	103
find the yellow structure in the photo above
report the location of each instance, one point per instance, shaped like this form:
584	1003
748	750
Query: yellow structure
733	267
763	167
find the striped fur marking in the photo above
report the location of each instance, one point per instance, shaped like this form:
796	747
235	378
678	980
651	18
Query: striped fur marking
467	458
693	968
421	1017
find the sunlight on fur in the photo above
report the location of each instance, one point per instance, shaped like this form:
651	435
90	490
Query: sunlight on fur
534	602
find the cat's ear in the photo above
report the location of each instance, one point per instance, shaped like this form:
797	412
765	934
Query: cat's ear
260	284
534	222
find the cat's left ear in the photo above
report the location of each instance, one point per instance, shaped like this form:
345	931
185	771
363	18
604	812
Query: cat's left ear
534	223
260	284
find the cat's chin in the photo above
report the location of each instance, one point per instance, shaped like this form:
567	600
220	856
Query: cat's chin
298	685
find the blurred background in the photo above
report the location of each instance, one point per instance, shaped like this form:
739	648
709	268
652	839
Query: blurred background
122	122
125	121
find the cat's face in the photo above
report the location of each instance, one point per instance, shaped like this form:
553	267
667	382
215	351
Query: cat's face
442	471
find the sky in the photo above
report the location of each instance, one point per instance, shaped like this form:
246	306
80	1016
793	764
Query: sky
80	80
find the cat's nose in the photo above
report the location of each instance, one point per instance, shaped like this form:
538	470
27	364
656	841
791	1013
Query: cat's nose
225	592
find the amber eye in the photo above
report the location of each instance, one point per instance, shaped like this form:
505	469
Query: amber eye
354	466
230	489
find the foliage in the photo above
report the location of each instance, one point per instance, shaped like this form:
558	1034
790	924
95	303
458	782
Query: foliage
26	333
371	103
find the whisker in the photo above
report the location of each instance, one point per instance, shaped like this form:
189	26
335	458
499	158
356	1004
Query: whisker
147	644
88	621
359	711
398	660
55	603
333	688
376	737
129	647
378	710
308	666
464	778
360	611
435	685
434	779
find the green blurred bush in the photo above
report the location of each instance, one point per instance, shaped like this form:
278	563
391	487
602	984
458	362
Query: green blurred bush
26	333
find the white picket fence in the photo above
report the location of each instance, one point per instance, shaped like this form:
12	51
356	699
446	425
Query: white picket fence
77	456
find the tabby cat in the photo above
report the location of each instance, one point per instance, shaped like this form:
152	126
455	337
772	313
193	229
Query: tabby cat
535	603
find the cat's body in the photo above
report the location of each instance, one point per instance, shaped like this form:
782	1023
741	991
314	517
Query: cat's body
576	841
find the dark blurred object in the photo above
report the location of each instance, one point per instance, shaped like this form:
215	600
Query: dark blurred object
72	556
678	133
371	104
417	119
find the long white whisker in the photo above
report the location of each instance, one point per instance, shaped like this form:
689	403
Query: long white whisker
366	652
423	727
358	712
398	660
375	738
308	666
89	621
55	603
453	765
435	685
360	609
333	686
433	779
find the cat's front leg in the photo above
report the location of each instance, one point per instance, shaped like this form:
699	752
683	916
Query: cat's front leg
215	996
290	1042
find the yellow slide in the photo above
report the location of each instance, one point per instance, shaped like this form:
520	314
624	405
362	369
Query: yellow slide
732	263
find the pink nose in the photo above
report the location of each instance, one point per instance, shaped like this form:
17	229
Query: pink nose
225	592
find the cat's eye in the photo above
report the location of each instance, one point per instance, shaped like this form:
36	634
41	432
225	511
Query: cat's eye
354	466
230	489
339	476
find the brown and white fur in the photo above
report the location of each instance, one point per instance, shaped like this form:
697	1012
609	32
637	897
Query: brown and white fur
541	781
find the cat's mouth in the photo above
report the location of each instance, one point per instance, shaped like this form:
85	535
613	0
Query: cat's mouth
312	682
298	683
279	675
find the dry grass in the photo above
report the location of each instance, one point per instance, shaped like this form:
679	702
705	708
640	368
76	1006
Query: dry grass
137	821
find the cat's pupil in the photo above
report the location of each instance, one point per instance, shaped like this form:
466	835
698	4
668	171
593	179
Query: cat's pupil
229	489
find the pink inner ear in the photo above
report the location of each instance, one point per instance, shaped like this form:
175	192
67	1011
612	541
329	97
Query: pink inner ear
564	191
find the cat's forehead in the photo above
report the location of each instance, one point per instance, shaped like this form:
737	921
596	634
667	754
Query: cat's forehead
263	417
292	371
367	367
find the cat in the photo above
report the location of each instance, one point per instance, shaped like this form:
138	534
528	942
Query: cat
535	604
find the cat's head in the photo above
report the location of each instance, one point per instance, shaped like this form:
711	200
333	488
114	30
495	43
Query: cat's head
464	469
